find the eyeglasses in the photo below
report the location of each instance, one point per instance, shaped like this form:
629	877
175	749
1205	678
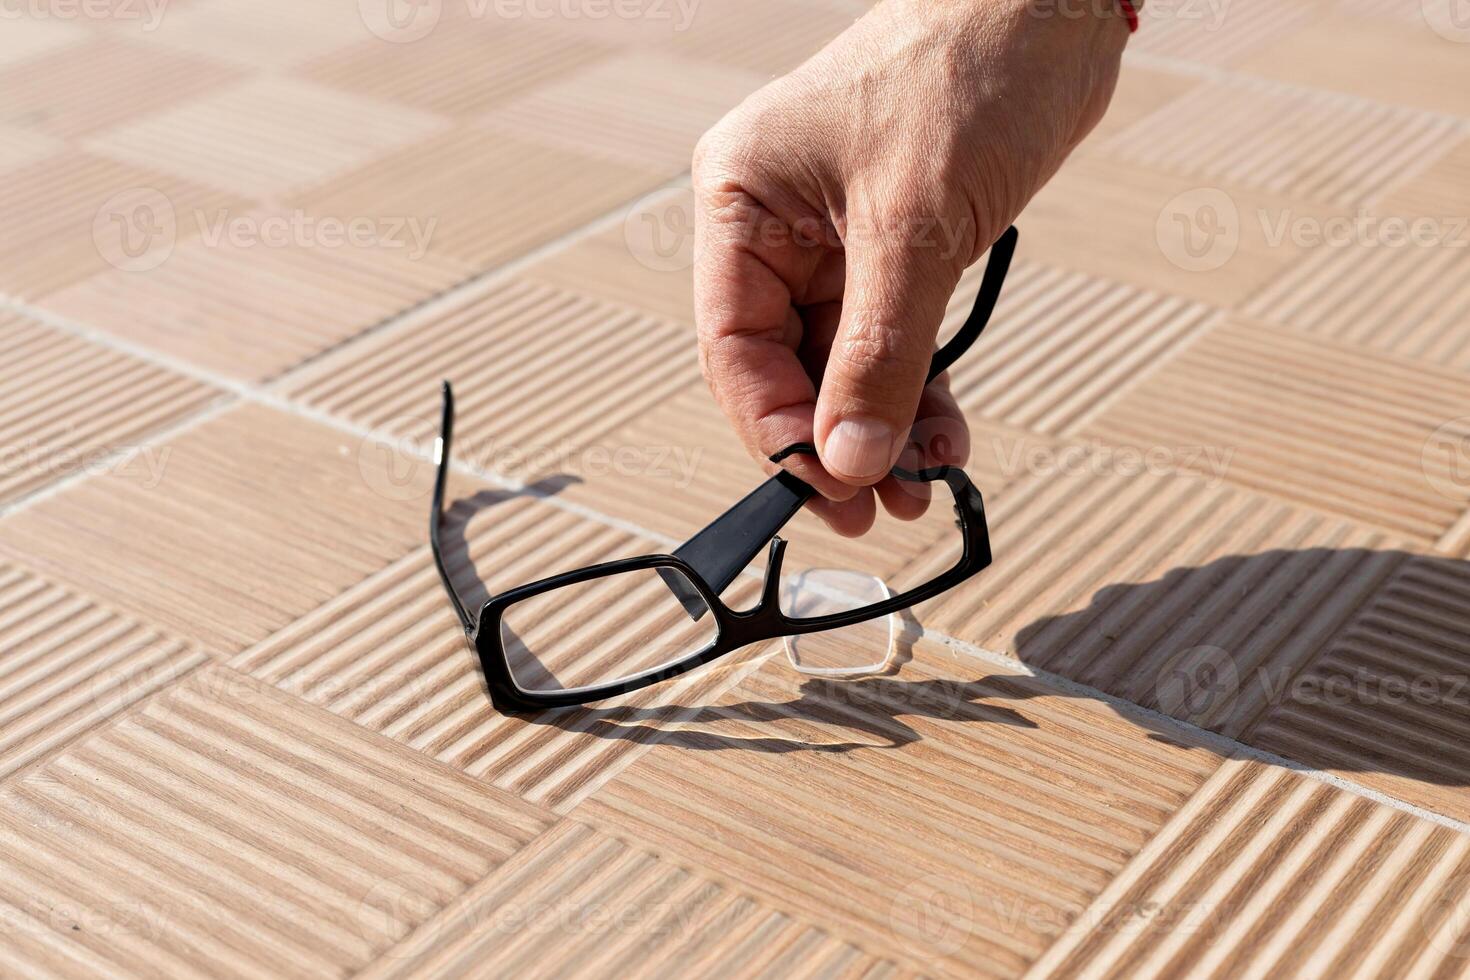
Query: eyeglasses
620	626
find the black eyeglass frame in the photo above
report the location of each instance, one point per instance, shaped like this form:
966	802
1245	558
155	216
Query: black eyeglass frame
724	544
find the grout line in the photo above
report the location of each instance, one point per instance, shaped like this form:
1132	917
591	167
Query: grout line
1221	744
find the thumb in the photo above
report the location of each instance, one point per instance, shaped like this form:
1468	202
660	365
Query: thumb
893	302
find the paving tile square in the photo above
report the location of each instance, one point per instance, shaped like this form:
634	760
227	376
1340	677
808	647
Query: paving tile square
1336	428
1291	141
1265	873
70	664
458	70
539	373
225	828
71	215
647	110
493	194
81	90
1175	592
253	293
269	137
954	815
389	654
646	914
1387	702
247	522
70	407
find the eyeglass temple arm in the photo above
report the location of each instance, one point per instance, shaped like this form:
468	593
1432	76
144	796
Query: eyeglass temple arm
436	517
722	550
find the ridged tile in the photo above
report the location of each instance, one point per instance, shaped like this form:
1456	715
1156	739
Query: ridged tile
1440	191
1387	703
268	137
1265	874
1408	300
600	905
257	518
72	215
770	37
641	109
254	307
457	70
496	195
267	33
80	90
1312	145
1339	429
1173	592
952	815
1062	345
389	654
70	664
19	147
1219	33
69	407
538	373
225	829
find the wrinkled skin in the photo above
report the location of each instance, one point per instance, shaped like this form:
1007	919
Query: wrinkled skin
838	206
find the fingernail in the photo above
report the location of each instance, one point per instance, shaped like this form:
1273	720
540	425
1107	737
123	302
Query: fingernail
859	448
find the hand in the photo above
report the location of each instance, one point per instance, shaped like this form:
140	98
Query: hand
838	206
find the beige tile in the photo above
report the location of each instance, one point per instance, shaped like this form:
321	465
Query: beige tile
1310	145
1335	428
1440	190
252	293
71	215
269	137
1379	58
80	90
389	654
71	664
27	38
266	33
1219	32
495	195
258	518
539	373
458	70
1174	592
19	147
643	109
224	828
1140	92
600	905
70	407
770	37
1387	703
1265	873
953	815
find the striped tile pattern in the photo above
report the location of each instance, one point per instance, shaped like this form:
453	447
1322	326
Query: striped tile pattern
78	91
538	374
770	37
1268	874
1317	146
1441	191
68	407
1218	33
1062	345
259	306
1407	300
957	817
1388	702
67	664
69	215
19	147
1340	430
389	655
224	829
267	138
639	109
266	34
653	917
494	194
1200	600
241	525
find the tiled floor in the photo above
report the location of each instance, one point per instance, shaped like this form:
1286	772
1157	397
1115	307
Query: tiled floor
1206	715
